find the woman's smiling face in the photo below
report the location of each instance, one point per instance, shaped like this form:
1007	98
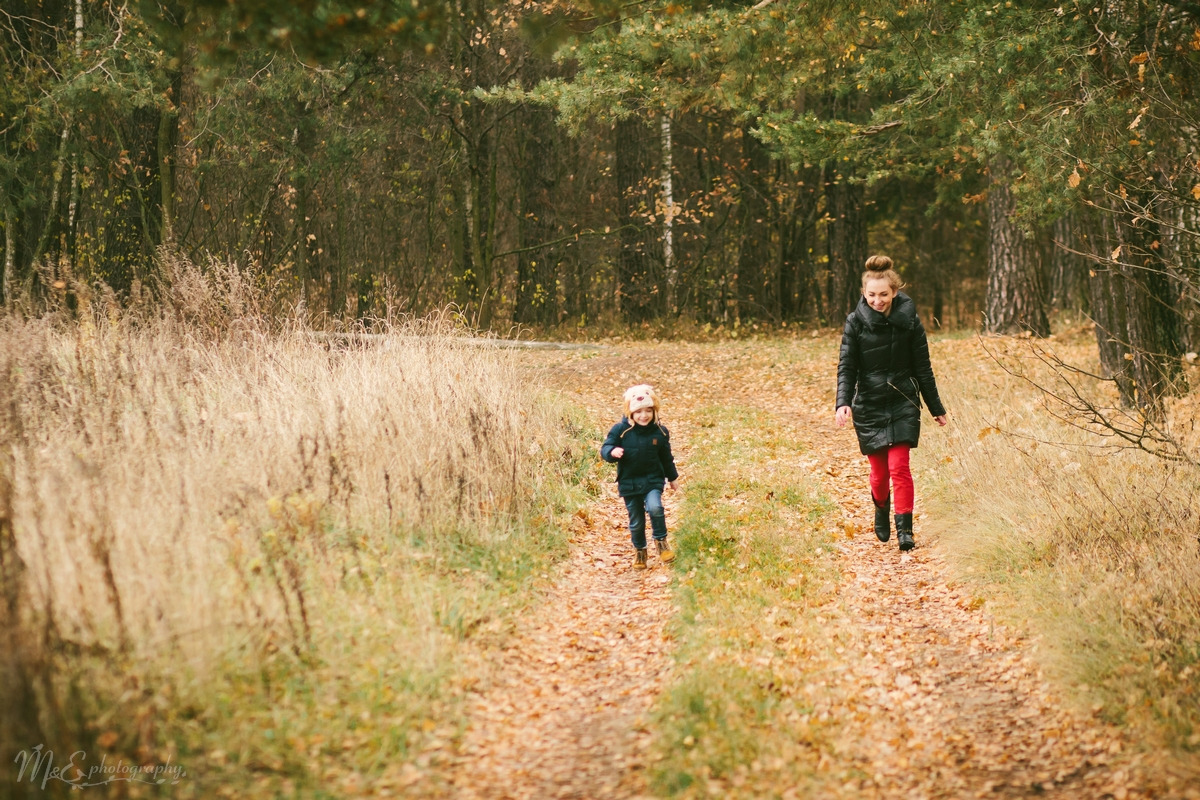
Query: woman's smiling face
879	295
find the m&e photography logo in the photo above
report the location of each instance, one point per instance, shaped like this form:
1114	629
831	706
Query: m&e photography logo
37	766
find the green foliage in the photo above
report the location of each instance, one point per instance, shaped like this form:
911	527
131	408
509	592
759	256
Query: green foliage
917	89
316	30
371	169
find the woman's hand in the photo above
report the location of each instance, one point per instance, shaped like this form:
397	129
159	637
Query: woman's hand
843	416
674	485
942	420
617	452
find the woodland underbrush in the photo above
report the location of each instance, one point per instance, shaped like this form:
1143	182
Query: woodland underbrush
244	552
1075	528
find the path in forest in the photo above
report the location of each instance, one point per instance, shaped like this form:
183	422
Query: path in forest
563	714
929	696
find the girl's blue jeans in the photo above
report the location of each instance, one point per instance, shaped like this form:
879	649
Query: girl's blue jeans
638	507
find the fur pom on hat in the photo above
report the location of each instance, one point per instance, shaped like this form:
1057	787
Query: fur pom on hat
640	396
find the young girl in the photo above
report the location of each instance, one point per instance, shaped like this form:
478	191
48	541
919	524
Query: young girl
641	448
883	372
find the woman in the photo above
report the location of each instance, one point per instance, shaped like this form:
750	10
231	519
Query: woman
883	372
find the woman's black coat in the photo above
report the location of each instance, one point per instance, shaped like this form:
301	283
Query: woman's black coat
883	372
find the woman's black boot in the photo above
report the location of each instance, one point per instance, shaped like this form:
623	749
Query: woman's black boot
904	531
883	518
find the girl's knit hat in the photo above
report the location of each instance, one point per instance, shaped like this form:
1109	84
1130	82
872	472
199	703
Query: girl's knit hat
640	396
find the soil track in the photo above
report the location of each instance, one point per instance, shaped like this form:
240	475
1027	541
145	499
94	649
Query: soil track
563	713
930	697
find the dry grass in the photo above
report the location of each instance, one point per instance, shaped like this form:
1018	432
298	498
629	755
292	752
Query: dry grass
1094	543
242	548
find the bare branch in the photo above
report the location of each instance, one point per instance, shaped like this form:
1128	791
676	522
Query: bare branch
574	237
876	129
1070	405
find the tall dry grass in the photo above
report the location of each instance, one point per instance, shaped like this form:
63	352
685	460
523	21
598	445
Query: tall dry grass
202	508
1093	540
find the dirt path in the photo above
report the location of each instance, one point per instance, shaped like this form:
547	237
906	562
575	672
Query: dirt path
562	714
938	700
929	696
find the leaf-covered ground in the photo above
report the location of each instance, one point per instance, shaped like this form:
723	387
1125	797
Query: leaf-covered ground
916	690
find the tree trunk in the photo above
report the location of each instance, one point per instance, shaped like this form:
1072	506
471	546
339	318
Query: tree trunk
580	290
303	140
335	255
1181	251
754	286
10	254
537	262
55	193
477	202
638	293
73	201
670	272
1014	296
846	239
299	181
168	136
1152	326
167	139
488	206
798	293
932	237
459	233
1106	296
1067	267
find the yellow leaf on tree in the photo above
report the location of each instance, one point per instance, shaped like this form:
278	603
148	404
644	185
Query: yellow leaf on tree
1073	179
1196	191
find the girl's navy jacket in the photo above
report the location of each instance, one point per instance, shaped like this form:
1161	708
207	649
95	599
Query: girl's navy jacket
883	372
647	463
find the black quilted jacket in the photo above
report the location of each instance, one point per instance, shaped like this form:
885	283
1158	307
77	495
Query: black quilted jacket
647	463
883	372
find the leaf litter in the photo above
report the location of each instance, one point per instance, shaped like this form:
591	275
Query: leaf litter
920	692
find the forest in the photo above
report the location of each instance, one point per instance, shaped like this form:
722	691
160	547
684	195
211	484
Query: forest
288	509
560	165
